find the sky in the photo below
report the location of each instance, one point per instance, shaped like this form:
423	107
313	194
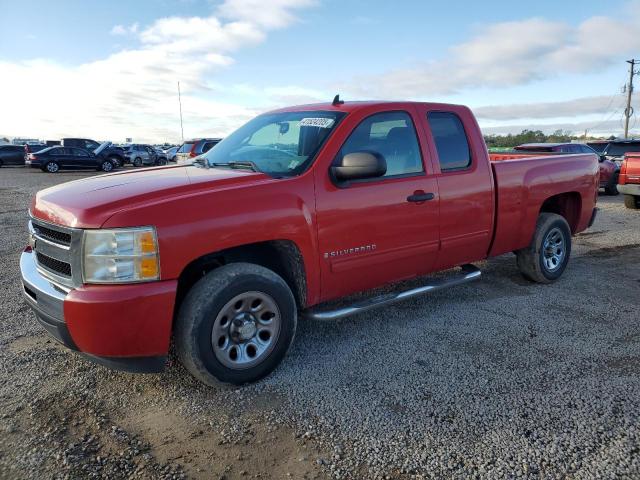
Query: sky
109	70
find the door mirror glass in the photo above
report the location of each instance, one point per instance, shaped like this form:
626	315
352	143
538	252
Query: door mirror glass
359	165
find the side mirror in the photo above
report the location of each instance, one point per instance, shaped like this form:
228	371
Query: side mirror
358	166
602	158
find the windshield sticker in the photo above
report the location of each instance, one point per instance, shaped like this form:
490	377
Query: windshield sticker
317	122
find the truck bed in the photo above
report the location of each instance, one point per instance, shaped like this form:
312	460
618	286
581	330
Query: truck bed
523	183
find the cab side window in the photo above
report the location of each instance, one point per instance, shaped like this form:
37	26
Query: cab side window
392	135
451	141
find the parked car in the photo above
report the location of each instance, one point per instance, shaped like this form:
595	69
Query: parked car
115	154
52	159
139	155
617	149
608	170
298	207
11	155
629	182
171	153
192	148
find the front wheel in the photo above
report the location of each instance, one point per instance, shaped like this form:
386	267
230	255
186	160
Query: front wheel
137	162
545	259
52	167
631	201
235	324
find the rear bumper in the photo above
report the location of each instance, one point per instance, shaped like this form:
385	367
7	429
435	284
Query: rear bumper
125	327
630	189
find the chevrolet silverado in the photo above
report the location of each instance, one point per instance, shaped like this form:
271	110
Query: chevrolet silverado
298	207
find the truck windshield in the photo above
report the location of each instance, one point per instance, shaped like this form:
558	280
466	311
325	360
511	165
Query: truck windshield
278	144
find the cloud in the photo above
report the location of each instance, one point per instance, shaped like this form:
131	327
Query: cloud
512	53
132	93
569	108
122	30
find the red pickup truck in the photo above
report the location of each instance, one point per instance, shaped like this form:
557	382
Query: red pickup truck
629	181
298	207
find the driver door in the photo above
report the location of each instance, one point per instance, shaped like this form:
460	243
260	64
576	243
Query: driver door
372	232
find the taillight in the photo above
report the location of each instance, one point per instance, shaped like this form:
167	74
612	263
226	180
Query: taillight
32	156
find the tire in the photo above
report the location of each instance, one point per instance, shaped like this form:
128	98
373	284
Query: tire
162	162
546	265
137	162
1	163
611	188
106	166
116	161
51	167
206	335
632	201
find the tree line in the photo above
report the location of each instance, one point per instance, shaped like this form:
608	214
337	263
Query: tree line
532	136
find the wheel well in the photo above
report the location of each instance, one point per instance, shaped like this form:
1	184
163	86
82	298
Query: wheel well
568	205
281	256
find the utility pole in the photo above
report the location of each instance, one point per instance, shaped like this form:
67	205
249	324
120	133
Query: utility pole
628	112
180	103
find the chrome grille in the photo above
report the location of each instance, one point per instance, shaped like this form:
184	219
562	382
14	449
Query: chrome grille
57	251
52	235
61	268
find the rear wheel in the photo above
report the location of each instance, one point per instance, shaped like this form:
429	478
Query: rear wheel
631	201
162	161
235	324
545	259
137	162
116	161
52	167
611	188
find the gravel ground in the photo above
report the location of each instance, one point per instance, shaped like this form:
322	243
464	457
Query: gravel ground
497	379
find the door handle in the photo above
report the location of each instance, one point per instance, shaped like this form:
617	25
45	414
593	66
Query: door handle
419	197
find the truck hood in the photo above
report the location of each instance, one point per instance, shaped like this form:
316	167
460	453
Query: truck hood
89	202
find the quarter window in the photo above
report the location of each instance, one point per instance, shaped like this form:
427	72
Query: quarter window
451	141
392	135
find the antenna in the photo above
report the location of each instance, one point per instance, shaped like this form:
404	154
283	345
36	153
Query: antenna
337	101
180	103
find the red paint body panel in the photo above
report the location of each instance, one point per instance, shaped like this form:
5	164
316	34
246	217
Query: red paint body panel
121	320
607	168
630	169
486	210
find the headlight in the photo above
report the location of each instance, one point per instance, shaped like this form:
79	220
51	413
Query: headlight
121	255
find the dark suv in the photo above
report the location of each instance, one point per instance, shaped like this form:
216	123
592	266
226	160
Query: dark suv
192	148
616	149
11	155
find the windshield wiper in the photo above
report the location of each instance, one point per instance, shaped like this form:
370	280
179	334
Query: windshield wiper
237	164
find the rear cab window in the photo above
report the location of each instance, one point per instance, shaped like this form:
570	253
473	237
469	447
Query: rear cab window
450	140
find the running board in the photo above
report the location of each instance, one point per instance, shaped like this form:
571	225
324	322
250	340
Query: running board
468	274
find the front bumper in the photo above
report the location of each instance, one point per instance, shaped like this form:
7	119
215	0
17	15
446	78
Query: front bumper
125	327
629	189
